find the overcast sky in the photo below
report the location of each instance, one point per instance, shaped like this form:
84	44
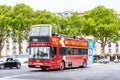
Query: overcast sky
65	5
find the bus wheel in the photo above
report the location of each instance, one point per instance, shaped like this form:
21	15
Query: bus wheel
43	69
84	64
62	65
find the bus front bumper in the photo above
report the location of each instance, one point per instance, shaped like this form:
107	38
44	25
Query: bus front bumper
39	65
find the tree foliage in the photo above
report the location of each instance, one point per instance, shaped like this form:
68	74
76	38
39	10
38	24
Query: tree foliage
46	17
63	26
4	24
70	25
22	19
75	24
102	23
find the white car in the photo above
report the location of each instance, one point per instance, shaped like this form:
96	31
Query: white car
103	61
116	61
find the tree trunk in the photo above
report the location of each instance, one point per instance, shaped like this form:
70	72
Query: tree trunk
0	53
1	47
19	45
103	50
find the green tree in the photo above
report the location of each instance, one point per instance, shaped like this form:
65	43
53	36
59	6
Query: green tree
43	17
46	17
4	24
74	22
103	24
22	19
70	25
63	26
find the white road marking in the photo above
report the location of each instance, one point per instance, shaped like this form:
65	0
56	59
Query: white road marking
9	77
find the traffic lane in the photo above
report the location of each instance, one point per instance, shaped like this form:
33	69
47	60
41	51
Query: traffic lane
94	72
10	72
37	74
30	73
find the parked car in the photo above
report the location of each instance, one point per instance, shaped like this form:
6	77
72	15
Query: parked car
9	62
23	58
116	61
103	61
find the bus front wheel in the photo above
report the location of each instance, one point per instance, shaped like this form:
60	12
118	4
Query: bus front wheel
62	65
43	69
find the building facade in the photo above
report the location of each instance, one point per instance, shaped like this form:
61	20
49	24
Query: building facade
12	48
111	48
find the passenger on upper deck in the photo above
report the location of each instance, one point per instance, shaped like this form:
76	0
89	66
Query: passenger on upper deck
82	38
74	37
54	34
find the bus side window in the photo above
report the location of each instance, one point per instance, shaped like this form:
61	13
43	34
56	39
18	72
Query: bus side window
68	51
74	51
62	51
85	51
53	51
80	51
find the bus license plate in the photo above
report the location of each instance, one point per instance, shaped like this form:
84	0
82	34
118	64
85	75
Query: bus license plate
37	66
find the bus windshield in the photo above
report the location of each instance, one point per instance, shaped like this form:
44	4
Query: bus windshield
39	52
40	31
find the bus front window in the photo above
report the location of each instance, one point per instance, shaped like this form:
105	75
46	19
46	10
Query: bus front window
40	31
39	52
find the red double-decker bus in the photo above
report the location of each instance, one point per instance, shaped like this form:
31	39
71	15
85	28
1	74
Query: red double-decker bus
52	51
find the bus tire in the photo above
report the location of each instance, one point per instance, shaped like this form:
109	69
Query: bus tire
62	65
84	64
43	69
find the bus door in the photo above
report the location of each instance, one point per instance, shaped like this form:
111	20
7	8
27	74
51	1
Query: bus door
54	59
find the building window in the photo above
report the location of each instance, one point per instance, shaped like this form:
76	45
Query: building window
117	51
7	46
14	48
109	50
109	44
117	44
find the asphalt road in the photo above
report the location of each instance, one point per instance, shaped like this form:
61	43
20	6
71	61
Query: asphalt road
93	72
